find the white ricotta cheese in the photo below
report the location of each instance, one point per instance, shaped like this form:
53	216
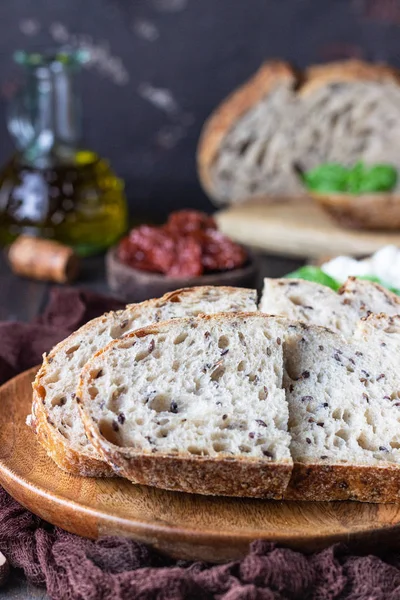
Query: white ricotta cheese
385	264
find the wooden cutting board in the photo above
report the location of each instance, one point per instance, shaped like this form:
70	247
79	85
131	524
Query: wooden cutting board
181	525
298	228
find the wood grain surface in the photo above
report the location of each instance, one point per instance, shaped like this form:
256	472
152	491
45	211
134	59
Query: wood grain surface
298	228
181	525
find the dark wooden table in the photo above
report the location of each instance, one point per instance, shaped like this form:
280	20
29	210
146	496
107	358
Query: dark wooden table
22	299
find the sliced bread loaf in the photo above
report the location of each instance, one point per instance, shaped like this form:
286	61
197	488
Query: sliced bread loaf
344	411
317	304
55	417
194	405
200	405
253	144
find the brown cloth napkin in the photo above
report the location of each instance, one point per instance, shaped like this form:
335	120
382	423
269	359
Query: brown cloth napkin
22	344
73	568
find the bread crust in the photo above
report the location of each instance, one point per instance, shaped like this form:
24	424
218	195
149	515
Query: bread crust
318	76
200	475
268	76
364	483
60	451
354	285
177	294
222	476
48	435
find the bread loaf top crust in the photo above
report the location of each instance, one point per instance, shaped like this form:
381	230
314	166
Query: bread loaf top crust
347	71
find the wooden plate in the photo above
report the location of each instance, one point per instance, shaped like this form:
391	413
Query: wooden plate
181	525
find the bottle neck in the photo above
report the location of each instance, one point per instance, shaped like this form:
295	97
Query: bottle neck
47	123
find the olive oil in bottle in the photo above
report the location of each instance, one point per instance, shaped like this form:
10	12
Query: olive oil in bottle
52	187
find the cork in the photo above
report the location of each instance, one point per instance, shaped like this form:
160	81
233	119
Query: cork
45	260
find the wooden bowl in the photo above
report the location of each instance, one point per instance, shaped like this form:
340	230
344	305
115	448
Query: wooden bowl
368	211
133	285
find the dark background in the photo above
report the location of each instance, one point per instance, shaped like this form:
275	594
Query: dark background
159	67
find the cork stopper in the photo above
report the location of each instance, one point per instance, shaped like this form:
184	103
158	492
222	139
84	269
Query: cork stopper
45	260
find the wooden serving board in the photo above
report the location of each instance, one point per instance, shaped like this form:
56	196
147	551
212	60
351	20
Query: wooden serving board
298	228
181	525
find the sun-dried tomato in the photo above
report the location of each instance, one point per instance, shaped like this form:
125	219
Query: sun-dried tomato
149	249
188	258
188	245
220	253
184	222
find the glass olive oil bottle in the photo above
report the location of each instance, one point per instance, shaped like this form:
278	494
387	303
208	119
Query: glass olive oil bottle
53	187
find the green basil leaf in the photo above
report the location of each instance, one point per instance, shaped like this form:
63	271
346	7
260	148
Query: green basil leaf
356	180
311	273
326	178
355	177
380	178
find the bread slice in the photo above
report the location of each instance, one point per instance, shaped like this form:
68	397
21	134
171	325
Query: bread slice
278	122
309	302
317	304
55	417
239	132
344	406
194	405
